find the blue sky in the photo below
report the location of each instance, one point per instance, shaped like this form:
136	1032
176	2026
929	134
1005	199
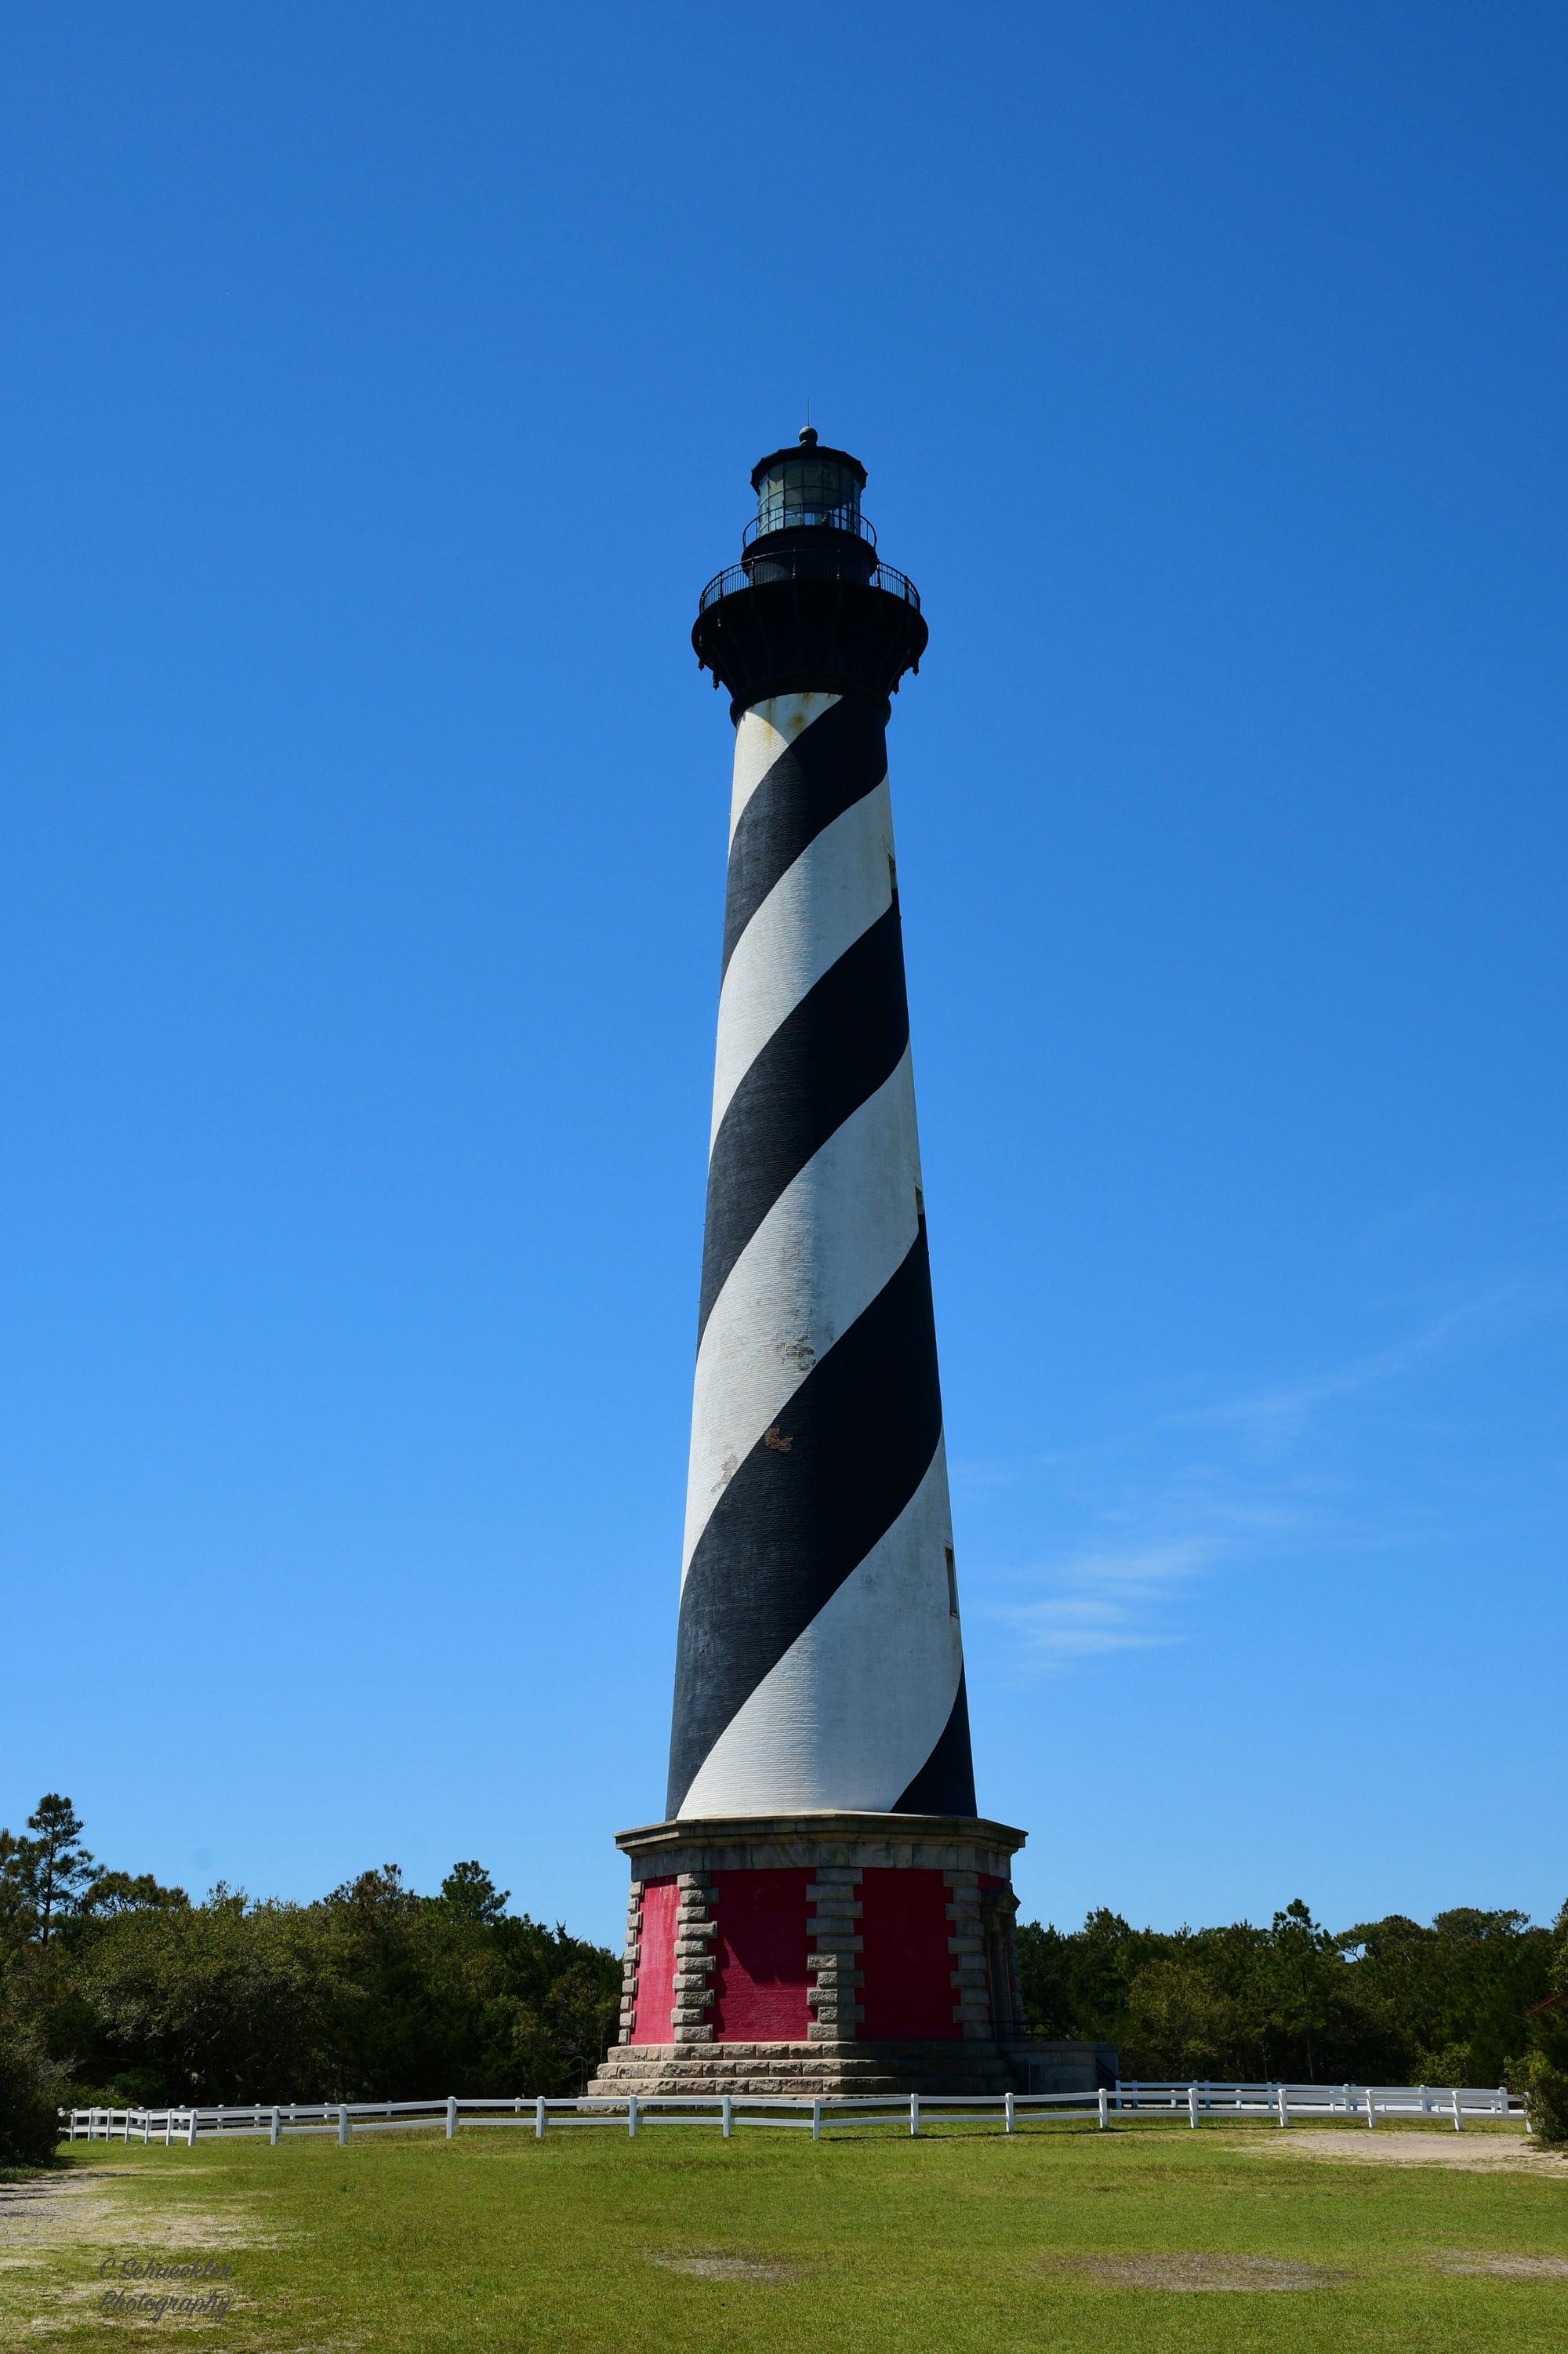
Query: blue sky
380	386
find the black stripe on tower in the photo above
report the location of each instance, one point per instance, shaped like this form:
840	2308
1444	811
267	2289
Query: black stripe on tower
831	764
844	1038
805	1508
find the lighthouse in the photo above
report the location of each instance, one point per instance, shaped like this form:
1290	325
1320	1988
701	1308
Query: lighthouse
821	1908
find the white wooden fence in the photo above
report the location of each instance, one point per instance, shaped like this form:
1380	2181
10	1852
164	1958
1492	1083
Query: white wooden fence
1358	2103
1279	2102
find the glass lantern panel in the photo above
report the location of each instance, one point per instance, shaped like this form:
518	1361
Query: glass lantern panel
808	491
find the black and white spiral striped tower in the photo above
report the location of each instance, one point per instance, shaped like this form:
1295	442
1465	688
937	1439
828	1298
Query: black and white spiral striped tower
820	1661
821	1722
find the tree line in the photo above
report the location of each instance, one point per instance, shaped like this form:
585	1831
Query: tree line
114	1990
1469	1999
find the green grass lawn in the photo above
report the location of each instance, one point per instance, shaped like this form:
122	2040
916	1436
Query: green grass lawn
1061	2239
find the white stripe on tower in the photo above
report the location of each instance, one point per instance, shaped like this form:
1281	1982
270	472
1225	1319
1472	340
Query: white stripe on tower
832	1241
821	1663
763	733
835	890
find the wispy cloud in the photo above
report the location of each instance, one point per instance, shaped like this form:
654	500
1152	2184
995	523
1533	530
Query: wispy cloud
1103	1601
1121	1593
1286	1410
1186	1496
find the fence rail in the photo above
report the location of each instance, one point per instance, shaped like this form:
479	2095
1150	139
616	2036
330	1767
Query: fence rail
1197	2101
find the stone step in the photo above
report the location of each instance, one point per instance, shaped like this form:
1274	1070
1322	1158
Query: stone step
802	2071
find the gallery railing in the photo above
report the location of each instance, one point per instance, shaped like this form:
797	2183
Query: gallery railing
807	565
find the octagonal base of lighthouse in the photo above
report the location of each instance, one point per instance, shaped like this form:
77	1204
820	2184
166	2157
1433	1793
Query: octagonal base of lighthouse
808	1954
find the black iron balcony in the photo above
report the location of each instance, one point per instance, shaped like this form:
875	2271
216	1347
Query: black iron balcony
807	564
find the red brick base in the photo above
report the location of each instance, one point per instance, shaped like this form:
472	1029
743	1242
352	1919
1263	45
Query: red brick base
773	1950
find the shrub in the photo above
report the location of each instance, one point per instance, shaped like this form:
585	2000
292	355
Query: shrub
1545	2087
30	2089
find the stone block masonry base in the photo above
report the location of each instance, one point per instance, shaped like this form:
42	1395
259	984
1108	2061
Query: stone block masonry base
818	1953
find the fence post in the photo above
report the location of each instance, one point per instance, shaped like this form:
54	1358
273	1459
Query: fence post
1284	2113
816	2121
1372	2109
1104	2106
631	2116
190	2131
1192	2106
914	2113
539	2118
451	2116
276	2128
726	2115
343	2125
1007	2113
1459	2114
